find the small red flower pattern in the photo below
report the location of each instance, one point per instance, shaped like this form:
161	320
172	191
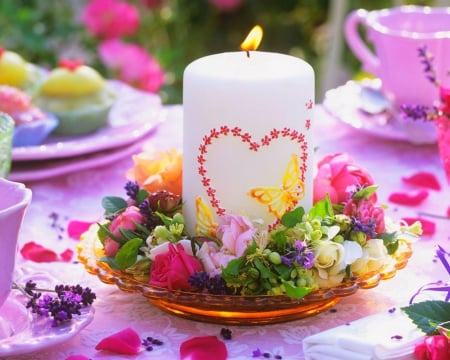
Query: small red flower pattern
253	145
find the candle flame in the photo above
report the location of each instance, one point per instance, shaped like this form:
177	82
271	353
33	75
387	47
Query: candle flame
253	39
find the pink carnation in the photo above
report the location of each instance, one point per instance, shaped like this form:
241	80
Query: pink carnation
132	64
110	18
366	211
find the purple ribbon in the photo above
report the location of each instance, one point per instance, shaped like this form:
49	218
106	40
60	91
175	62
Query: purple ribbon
437	285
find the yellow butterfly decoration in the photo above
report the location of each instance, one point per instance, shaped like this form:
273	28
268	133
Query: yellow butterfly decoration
205	225
291	192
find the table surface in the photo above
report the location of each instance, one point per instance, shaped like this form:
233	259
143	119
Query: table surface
78	196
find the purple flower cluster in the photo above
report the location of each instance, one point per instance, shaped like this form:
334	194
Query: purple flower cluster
68	301
299	253
368	228
201	281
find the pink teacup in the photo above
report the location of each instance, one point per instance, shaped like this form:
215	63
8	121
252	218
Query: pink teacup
397	34
14	200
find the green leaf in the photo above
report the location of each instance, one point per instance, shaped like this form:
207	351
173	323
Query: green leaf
263	270
390	241
365	192
141	196
102	232
113	204
291	218
296	292
233	268
127	254
322	209
427	314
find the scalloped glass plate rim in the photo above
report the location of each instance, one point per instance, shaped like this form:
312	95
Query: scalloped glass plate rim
128	283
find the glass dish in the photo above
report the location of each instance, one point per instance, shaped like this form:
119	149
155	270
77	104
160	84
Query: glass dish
232	309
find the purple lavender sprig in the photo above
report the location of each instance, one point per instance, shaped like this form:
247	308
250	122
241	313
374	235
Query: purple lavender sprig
426	58
69	300
421	112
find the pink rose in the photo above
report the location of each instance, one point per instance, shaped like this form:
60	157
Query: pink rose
337	176
132	64
126	220
434	347
172	269
110	18
212	259
236	233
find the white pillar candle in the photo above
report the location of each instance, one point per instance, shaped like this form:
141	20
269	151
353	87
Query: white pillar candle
247	145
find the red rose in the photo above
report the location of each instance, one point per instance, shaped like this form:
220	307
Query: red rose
434	347
172	269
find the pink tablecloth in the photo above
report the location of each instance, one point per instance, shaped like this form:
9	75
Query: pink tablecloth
78	196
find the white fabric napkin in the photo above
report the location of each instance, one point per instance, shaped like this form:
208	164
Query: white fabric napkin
386	335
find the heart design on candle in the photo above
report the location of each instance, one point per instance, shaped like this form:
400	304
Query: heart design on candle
291	183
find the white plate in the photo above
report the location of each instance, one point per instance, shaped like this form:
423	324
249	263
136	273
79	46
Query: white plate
22	332
39	170
133	115
345	104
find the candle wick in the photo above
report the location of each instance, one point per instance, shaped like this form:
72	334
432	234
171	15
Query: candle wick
248	53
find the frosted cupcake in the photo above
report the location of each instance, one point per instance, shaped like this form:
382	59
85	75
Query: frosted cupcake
79	97
17	72
32	125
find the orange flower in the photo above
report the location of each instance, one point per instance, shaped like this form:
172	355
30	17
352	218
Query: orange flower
160	170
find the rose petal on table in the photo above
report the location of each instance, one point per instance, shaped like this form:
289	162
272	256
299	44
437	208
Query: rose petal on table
448	212
428	227
203	348
66	255
38	253
126	341
410	199
76	227
423	179
77	357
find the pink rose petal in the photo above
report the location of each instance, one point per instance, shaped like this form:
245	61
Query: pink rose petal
423	179
66	255
448	212
36	252
203	348
75	228
77	357
410	199
428	227
126	341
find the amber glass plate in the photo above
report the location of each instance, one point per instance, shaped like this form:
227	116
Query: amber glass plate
235	310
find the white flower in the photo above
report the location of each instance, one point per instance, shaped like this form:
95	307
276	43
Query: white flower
374	257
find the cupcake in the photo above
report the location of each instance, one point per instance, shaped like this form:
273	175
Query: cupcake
31	124
78	96
17	72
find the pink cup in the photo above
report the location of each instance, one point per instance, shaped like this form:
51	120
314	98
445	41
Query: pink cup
396	34
14	200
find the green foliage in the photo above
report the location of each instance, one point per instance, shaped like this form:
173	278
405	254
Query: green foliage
427	315
113	204
176	33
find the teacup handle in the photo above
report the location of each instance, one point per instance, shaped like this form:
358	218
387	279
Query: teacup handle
369	60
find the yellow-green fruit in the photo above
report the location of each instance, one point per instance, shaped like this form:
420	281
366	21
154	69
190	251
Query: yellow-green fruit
13	69
81	81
